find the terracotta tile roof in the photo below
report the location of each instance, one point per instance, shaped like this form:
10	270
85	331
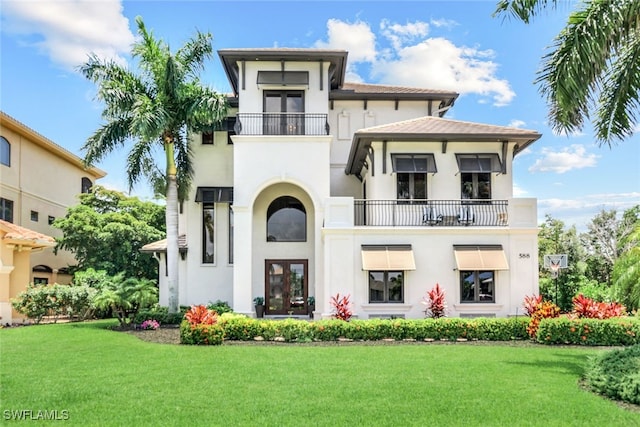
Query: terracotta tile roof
20	235
161	245
375	88
431	125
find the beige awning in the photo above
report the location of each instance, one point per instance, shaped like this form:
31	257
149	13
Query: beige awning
387	258
474	257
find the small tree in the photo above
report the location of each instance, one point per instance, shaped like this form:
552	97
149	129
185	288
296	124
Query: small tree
125	297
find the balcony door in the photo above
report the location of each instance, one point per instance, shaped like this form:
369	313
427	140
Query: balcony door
286	286
283	112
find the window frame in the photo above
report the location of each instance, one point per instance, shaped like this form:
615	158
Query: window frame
230	219
287	202
208	209
477	291
408	167
5	151
86	185
35	216
386	286
6	206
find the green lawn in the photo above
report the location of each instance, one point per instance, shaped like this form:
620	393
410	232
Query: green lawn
109	378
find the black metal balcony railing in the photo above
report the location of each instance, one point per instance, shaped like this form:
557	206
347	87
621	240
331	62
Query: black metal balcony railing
281	124
415	213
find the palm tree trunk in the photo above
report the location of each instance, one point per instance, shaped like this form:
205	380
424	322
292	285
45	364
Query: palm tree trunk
172	228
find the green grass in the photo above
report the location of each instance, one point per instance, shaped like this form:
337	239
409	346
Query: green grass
109	378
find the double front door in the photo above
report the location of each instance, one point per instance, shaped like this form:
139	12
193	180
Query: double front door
286	286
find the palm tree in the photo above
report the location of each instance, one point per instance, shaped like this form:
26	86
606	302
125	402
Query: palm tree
156	107
593	67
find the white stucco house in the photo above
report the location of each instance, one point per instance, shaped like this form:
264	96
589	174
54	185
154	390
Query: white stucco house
315	186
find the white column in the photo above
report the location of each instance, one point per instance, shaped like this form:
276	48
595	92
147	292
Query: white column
242	264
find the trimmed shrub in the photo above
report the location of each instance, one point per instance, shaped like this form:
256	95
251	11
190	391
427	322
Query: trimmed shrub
596	332
160	314
201	334
220	307
616	374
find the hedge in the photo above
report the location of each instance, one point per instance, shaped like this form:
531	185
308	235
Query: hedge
595	332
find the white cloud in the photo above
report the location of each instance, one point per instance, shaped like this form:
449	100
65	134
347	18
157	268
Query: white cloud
416	60
68	31
582	210
357	39
515	123
519	191
569	158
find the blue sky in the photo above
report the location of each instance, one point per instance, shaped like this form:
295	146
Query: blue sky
453	45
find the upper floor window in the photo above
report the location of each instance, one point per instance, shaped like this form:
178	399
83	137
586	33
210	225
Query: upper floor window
86	185
286	220
6	210
283	112
411	174
5	151
475	174
207	138
35	216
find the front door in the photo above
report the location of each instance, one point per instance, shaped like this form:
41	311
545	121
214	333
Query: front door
286	286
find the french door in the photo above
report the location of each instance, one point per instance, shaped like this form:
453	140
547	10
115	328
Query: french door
283	112
286	286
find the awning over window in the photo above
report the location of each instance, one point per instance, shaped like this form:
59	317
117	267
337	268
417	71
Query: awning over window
387	258
283	78
474	257
479	163
412	163
214	195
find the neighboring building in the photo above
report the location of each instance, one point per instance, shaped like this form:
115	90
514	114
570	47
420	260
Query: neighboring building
17	246
318	186
39	180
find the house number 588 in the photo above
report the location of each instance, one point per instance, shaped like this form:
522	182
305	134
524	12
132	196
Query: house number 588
524	256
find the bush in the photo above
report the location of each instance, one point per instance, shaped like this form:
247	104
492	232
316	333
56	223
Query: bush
160	314
220	307
55	300
616	374
608	332
201	334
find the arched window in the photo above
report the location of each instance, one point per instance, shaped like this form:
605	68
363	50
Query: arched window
286	220
5	151
86	185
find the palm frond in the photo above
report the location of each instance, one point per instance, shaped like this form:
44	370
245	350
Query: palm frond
195	52
151	52
204	106
571	71
107	138
523	10
184	164
619	99
139	162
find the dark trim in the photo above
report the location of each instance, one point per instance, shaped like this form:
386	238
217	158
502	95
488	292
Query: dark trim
321	75
398	247
477	247
384	157
504	156
214	195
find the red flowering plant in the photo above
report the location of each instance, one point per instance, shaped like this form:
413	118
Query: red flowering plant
201	327
587	307
341	307
201	315
543	310
530	303
435	302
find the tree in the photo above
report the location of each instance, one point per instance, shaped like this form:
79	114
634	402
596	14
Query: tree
626	272
106	231
125	297
593	66
606	240
156	107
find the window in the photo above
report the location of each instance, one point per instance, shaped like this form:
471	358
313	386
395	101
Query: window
207	138
208	215
477	286
230	235
40	281
86	185
34	216
5	151
283	113
411	172
386	287
475	174
286	220
6	210
51	219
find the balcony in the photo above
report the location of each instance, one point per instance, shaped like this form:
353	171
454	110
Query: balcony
431	213
282	124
